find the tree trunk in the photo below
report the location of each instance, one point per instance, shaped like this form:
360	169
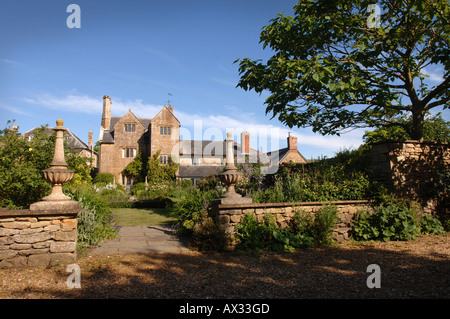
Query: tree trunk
418	118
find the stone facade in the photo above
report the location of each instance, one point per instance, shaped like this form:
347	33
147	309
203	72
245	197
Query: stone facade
410	168
228	215
37	238
121	138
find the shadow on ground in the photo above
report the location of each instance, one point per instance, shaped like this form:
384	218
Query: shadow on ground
333	272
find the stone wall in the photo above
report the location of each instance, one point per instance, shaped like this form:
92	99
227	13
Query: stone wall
410	168
228	215
40	238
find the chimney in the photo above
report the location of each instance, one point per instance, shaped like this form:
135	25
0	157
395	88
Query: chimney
245	142
171	108
106	117
292	142
91	140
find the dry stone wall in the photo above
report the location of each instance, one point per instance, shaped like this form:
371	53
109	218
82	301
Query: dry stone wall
411	168
228	215
37	238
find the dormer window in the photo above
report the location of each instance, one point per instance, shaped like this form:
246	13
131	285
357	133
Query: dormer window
129	128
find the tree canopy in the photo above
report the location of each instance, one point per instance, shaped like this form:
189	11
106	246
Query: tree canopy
340	64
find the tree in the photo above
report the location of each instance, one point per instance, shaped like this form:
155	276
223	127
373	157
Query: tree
21	162
335	68
159	173
136	168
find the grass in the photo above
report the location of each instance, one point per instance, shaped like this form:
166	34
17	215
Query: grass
142	216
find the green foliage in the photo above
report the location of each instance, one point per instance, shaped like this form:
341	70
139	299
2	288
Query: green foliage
21	163
95	221
435	129
188	210
136	168
103	179
344	177
394	221
303	231
330	71
158	173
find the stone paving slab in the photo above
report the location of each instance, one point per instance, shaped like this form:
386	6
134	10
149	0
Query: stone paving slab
141	239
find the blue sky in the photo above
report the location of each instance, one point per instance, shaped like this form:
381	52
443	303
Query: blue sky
137	52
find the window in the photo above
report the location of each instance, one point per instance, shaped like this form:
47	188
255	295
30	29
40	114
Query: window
164	159
164	130
130	128
129	152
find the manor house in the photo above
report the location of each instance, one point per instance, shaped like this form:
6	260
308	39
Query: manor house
121	138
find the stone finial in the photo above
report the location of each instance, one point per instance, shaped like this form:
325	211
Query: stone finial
57	175
231	176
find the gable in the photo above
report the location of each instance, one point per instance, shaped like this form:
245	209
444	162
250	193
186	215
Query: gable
165	115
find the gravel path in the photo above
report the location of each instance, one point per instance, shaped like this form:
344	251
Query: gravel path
413	269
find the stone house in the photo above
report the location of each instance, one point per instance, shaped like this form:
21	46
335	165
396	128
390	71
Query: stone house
121	138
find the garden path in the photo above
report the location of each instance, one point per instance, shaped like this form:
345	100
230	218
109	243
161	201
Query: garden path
141	239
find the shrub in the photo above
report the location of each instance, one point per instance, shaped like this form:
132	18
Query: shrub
208	236
189	208
104	179
323	225
394	221
303	231
95	221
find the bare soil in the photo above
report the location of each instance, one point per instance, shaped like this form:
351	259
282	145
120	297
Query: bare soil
413	269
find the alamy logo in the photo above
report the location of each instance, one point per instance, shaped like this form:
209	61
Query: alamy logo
374	280
74	279
74	19
374	19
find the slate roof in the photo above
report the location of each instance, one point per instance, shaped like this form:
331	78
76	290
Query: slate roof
198	171
73	141
108	136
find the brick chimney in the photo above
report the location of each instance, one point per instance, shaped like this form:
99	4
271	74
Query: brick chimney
245	143
292	142
171	108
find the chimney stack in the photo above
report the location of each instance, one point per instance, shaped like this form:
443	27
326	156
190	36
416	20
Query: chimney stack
106	117
245	142
292	142
91	140
171	108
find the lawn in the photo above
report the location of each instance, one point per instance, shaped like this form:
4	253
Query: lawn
142	216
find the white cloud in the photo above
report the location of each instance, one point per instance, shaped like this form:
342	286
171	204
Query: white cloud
13	109
200	126
436	75
268	136
90	105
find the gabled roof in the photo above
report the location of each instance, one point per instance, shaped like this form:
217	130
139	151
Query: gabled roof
108	136
278	156
165	108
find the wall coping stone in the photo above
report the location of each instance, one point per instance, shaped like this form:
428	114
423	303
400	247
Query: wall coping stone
28	213
297	204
